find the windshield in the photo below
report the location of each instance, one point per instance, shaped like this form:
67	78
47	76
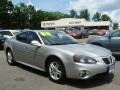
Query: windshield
57	38
6	33
15	32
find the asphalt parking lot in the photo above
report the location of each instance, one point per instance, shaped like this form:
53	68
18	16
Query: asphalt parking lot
20	77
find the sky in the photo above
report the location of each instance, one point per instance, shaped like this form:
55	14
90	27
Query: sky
110	7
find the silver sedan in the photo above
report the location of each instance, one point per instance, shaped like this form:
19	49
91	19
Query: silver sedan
58	54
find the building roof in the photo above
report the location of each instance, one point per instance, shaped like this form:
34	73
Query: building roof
72	22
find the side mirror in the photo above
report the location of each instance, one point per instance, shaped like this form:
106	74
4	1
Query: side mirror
35	43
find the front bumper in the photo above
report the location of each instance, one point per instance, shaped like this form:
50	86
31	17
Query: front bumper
86	71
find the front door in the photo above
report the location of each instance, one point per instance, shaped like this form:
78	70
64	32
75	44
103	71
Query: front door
114	42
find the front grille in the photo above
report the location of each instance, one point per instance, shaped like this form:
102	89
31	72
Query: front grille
108	60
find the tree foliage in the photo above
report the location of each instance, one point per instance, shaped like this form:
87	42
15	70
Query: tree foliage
85	14
101	17
97	16
26	16
6	8
105	17
73	13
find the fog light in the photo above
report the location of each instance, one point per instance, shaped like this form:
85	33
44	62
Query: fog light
82	73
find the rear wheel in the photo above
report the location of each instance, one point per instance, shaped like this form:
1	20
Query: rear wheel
56	71
10	58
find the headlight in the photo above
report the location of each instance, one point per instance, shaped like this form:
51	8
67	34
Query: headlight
84	59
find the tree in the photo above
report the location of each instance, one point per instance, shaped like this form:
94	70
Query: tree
105	17
85	14
9	7
97	16
4	17
115	26
73	13
3	4
66	16
26	16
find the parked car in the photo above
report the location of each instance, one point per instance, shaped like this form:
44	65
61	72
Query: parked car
93	32
110	41
4	34
2	39
84	34
8	33
102	32
80	33
73	34
58	54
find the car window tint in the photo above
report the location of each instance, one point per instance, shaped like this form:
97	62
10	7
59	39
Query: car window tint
6	33
22	37
57	38
33	36
116	34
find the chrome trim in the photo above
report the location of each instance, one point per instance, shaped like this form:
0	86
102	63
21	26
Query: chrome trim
111	60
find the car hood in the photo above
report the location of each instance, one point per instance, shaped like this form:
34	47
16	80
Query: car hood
85	49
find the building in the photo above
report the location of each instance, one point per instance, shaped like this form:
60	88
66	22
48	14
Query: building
73	22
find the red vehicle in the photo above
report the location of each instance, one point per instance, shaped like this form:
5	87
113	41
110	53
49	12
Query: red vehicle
73	34
101	32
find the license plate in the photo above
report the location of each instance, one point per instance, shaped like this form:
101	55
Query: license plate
112	68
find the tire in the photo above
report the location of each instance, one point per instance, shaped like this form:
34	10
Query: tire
10	58
56	71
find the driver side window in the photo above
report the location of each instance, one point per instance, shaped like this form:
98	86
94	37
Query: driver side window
33	36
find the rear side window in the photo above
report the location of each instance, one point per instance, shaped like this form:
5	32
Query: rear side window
22	37
6	33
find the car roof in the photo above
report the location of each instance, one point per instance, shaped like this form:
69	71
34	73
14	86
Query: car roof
9	30
43	31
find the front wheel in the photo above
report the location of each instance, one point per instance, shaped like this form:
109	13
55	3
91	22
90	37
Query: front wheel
56	71
10	58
